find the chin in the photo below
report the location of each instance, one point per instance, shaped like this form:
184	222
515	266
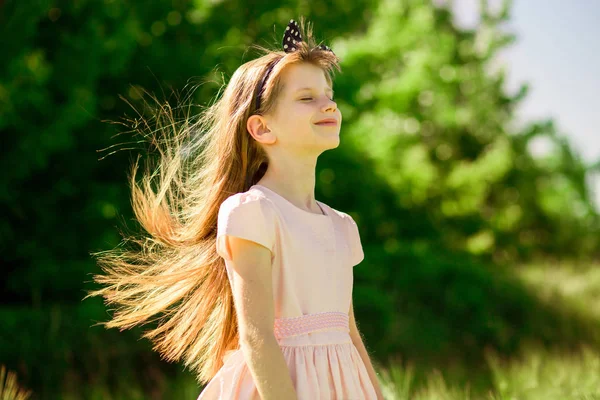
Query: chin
333	142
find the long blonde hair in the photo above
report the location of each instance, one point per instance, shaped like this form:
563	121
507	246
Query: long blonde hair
171	273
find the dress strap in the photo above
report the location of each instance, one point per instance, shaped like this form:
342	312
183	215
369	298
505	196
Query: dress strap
329	320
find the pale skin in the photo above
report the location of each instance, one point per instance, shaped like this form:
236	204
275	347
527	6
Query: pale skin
293	143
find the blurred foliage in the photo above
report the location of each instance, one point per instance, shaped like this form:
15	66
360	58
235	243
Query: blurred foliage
450	191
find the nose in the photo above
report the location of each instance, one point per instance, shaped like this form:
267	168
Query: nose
329	105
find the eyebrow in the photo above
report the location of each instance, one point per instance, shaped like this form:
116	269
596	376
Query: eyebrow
309	88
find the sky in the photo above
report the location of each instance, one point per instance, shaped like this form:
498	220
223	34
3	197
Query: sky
557	51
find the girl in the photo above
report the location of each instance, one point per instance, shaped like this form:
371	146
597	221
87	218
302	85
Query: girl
251	275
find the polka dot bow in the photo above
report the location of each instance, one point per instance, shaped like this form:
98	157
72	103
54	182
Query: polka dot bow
292	36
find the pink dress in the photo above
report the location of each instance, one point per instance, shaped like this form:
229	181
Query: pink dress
312	258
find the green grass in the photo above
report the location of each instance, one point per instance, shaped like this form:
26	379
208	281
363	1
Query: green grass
536	373
539	374
579	285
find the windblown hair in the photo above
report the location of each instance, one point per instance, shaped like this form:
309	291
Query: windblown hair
171	274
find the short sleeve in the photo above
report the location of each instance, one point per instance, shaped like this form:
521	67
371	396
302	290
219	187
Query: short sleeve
247	216
356	250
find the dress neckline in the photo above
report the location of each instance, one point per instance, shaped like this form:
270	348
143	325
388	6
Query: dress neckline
325	215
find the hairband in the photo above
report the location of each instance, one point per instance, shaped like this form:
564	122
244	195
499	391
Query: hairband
291	37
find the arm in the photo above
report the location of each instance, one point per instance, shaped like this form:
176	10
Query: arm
360	346
253	298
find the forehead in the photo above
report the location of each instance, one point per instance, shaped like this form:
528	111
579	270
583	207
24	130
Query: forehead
303	75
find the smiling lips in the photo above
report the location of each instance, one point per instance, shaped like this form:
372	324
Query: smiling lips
327	122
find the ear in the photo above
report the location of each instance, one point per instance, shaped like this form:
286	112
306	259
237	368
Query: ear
257	127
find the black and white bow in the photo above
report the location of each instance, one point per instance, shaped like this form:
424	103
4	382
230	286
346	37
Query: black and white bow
291	37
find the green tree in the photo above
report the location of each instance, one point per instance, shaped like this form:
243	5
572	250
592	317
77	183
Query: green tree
445	182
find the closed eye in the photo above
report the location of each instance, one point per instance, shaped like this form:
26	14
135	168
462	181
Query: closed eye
310	98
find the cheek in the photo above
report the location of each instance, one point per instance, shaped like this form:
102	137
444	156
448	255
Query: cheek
298	117
304	109
294	121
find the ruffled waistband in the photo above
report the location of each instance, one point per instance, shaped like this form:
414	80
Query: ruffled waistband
318	329
310	323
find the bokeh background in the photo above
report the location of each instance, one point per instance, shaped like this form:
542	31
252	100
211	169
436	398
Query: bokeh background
468	161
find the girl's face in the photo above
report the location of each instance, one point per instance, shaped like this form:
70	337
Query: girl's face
305	99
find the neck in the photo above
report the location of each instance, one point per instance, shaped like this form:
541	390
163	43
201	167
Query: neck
294	179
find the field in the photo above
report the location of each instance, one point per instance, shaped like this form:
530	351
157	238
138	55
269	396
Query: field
538	373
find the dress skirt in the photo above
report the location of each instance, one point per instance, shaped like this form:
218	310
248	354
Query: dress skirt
323	363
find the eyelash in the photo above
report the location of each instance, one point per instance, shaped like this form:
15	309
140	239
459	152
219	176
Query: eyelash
307	98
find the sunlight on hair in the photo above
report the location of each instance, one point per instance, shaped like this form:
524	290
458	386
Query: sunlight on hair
9	388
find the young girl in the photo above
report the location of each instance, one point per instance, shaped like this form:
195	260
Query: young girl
252	276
